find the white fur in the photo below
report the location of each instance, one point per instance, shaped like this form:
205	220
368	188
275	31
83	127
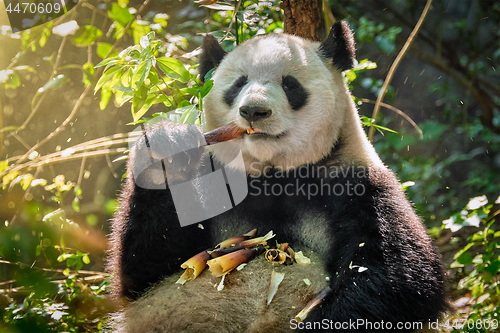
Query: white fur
311	132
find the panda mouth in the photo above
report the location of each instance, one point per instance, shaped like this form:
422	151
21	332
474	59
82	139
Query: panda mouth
254	131
257	133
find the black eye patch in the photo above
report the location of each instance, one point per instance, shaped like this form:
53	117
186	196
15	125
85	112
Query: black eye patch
295	92
235	89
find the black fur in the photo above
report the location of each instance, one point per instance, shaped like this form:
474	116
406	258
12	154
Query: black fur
211	55
231	94
339	46
295	92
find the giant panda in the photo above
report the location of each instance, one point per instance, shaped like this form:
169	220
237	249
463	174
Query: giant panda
338	202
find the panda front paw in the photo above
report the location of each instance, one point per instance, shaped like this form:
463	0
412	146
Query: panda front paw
166	154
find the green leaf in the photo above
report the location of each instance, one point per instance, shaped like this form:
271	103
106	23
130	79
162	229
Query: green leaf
56	83
161	19
3	165
138	101
120	15
219	34
109	61
147	53
493	268
86	259
183	105
103	49
462	251
44	37
13	81
189	114
127	77
25	181
117	79
106	94
133	52
464	259
147	39
206	88
76	204
350	75
141	73
106	76
56	217
153	77
10	79
123	3
150	101
88	72
174	69
8	128
65	256
456	264
209	74
123	88
77	190
138	31
384	128
155	46
193	91
123	97
371	123
86	35
365	64
79	264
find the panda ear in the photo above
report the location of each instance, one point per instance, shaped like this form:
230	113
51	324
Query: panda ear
339	46
211	55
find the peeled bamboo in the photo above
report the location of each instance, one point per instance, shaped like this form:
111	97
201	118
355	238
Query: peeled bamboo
225	264
229	246
235	240
193	267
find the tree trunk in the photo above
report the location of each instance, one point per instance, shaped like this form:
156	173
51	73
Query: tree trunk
303	18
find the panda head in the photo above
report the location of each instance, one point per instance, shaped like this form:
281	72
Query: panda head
288	89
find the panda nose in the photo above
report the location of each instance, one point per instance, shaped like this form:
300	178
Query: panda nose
254	113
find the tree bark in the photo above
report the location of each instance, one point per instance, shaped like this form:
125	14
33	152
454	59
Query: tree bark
303	18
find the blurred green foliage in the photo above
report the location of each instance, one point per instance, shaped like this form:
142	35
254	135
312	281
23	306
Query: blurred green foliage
479	261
